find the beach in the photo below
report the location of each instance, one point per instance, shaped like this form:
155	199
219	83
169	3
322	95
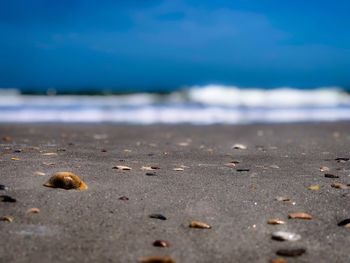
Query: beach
232	177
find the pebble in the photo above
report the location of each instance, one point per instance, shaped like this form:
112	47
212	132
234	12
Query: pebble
282	199
33	210
339	186
123	198
161	243
275	221
7	139
199	224
66	180
6	198
331	176
151	174
3	187
278	260
14	159
38	173
232	165
178	169
344	222
149	168
324	169
7	218
49	154
238	146
314	187
300	215
158	216
342	159
243	170
291	252
122	167
274	166
156	259
285	236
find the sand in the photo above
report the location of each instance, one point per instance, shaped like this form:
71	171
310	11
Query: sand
96	226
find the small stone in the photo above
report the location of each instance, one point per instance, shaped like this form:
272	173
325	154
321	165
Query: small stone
156	259
342	159
314	187
183	144
331	176
291	252
158	216
199	224
123	198
49	154
7	218
151	174
3	187
282	199
178	169
103	150
149	168
17	151
8	199
33	210
243	170
14	158
278	260
339	186
275	221
300	215
324	169
285	236
66	180
7	139
238	146
38	173
274	166
122	167
344	222
160	243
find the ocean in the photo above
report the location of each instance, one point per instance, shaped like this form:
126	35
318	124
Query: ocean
203	105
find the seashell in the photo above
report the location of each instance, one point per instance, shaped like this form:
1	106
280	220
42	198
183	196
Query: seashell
157	216
66	180
149	168
199	224
122	167
314	187
38	173
274	166
156	259
49	154
339	186
344	222
178	169
324	169
285	236
6	198
7	218
33	210
300	215
238	146
14	159
275	221
282	198
160	243
230	165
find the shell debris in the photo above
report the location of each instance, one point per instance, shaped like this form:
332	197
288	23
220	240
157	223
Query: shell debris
199	224
66	180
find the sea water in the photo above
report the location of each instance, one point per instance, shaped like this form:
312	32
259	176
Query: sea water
210	104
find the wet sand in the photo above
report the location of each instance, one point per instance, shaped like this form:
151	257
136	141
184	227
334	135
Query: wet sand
96	226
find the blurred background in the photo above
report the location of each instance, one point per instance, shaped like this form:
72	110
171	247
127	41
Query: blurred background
174	61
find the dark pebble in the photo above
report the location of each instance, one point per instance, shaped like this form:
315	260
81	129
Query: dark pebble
104	150
3	187
6	198
158	216
291	252
344	222
243	170
160	243
155	167
331	176
342	159
123	198
17	151
151	174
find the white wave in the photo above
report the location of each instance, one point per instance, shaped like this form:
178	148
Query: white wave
280	97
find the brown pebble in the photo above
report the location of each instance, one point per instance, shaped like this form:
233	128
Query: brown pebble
199	224
339	186
7	139
66	180
33	210
300	215
275	221
314	187
278	260
160	243
156	259
7	218
331	176
291	252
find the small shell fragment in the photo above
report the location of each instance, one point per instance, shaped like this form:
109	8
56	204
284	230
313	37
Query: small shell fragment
122	167
339	186
66	180
291	252
49	154
14	159
333	176
178	169
282	199
232	165
7	218
285	236
314	187
157	216
300	215
275	221
149	168
344	222
156	259
199	224
278	260
238	146
123	198
33	210
324	169
38	173
160	243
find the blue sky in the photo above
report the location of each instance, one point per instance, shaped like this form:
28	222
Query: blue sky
158	44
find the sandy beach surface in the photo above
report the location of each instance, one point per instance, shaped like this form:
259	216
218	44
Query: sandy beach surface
236	191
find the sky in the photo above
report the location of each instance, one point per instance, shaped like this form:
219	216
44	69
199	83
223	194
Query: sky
163	44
